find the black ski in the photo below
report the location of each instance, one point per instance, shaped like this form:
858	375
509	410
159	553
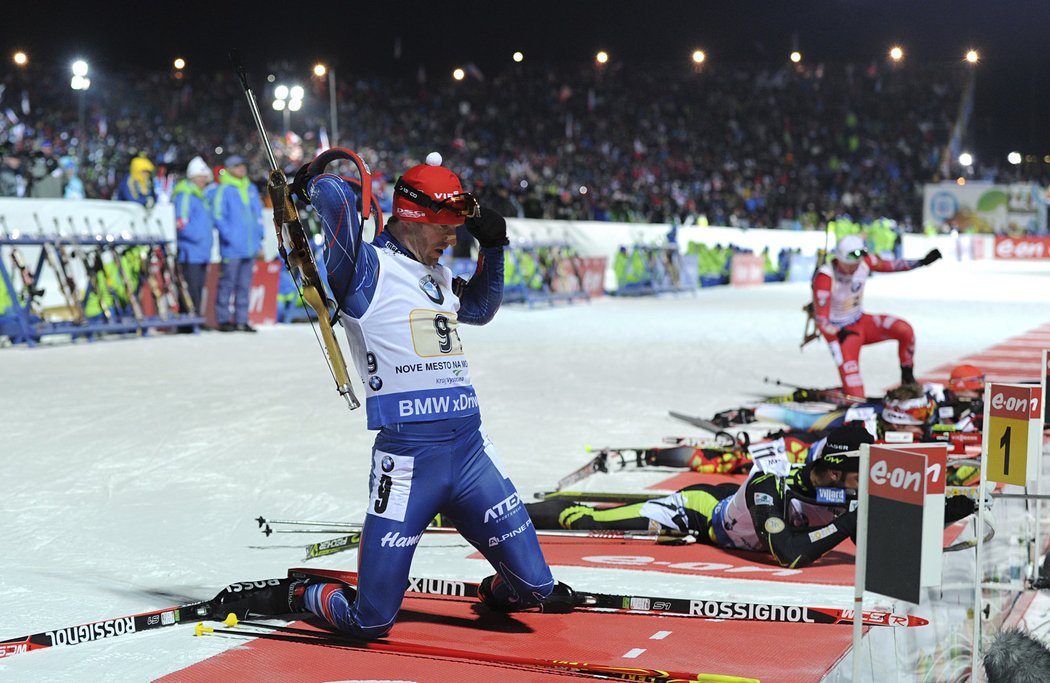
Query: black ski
696	421
107	628
637	604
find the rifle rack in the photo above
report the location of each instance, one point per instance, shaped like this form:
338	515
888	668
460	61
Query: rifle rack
72	265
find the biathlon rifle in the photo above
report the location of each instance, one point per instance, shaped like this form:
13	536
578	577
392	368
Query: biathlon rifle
294	245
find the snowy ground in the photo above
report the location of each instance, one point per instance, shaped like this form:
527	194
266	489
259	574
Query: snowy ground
135	468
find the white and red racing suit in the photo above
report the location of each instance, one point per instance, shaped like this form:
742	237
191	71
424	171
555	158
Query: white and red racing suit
838	310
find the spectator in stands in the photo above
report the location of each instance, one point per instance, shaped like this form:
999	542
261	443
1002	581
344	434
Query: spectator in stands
45	177
74	186
12	177
137	185
195	227
237	211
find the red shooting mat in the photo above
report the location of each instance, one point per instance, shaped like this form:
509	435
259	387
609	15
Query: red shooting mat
770	652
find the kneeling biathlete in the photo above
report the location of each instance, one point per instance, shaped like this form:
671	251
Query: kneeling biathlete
401	310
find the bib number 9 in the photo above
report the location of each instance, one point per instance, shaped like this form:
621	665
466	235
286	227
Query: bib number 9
435	333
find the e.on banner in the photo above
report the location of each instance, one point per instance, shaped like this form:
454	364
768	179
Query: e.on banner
895	537
897	475
746	270
1031	247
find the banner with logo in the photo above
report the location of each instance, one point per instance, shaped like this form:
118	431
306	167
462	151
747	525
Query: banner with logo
896	493
746	270
1016	208
932	508
1030	247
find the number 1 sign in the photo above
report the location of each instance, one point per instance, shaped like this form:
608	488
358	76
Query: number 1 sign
1013	429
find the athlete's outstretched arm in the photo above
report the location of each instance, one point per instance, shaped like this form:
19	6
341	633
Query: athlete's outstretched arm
353	267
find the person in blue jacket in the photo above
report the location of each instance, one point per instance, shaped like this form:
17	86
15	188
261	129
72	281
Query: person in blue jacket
237	210
402	311
194	226
137	185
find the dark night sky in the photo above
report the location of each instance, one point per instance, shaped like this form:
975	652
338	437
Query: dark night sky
1013	88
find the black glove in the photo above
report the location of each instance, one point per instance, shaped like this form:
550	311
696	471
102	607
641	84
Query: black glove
930	257
490	229
843	333
299	183
958	507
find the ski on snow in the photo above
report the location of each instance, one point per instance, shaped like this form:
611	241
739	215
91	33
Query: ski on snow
635	604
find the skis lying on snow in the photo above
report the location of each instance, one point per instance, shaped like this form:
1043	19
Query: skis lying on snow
107	628
328	639
635	604
679	452
584	601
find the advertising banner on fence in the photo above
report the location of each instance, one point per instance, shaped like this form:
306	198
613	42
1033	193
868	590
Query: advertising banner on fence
984	207
1028	247
747	270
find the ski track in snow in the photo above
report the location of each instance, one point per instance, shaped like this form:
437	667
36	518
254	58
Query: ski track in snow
135	468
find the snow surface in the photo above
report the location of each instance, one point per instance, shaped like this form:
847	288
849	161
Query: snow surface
135	468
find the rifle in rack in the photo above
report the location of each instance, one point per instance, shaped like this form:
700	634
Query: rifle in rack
56	257
118	262
296	250
29	289
174	285
95	268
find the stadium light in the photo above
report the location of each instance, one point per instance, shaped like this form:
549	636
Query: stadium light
972	56
80	82
1014	158
896	53
796	57
286	100
518	57
320	71
20	58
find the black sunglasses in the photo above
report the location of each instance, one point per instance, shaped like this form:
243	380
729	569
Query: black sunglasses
464	204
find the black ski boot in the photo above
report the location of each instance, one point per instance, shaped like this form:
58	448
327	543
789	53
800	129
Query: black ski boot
561	600
907	375
263	598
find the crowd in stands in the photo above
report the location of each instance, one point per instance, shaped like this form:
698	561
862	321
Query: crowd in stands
737	145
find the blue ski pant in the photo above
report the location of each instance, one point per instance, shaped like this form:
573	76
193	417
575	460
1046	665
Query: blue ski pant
235	282
418	471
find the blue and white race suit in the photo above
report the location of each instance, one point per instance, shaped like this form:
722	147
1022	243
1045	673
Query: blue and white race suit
431	454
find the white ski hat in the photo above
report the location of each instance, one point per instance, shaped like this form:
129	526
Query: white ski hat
197	167
850	249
